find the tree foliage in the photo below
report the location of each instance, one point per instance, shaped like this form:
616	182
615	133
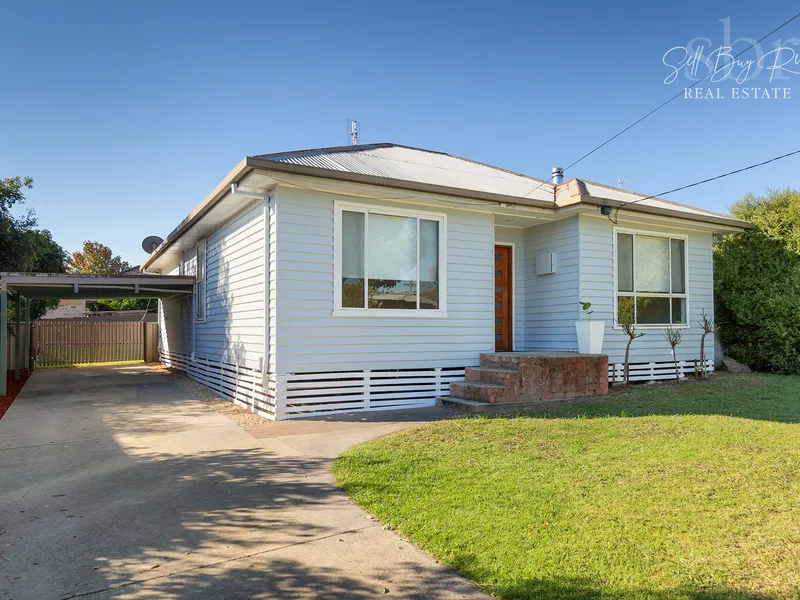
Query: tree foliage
96	259
23	247
757	284
15	243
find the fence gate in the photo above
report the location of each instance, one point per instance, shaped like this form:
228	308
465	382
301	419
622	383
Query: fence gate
63	342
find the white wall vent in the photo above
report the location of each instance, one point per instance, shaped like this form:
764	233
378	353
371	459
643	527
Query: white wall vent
546	263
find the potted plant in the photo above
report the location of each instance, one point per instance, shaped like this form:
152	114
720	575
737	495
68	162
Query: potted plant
590	333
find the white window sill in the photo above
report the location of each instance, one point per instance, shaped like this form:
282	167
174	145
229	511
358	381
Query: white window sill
393	313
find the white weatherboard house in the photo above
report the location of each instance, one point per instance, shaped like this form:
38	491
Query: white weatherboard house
368	277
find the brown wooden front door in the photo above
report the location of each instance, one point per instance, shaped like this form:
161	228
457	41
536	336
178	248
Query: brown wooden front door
502	298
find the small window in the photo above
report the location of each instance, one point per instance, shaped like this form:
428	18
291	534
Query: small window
389	261
200	283
651	279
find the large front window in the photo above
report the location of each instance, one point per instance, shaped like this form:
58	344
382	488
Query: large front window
389	261
651	279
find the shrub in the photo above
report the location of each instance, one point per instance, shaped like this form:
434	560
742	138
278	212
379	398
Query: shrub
757	284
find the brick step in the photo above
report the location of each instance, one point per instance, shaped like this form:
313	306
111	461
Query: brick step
504	377
477	390
503	360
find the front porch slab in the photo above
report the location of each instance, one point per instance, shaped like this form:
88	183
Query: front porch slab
532	377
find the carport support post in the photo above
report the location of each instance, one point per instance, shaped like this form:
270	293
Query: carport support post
17	336
3	337
28	332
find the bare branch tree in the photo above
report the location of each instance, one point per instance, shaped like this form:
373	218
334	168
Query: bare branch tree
673	337
626	323
708	325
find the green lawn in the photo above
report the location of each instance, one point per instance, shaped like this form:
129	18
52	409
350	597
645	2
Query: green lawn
688	492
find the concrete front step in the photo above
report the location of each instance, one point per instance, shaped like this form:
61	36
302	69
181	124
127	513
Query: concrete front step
463	405
473	406
477	390
504	377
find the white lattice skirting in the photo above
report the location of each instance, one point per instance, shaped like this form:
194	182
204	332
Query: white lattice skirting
242	386
309	394
655	370
300	395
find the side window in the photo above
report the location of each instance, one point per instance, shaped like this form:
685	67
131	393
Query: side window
651	279
200	283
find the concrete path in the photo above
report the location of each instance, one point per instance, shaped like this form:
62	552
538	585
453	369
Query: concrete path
115	483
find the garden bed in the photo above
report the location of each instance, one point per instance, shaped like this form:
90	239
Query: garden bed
13	387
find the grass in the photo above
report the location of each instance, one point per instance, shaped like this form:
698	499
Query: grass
690	492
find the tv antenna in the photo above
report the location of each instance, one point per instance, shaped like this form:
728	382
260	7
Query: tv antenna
353	132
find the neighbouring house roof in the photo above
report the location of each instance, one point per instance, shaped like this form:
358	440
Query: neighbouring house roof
66	309
415	169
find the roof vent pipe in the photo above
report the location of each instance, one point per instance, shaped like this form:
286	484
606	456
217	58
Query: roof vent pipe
558	175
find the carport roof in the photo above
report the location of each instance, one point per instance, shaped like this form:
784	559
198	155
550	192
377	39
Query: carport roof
68	286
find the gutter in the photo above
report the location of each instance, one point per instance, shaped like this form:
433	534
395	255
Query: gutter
402	184
654	210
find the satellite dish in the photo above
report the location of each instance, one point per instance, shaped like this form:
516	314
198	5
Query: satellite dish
150	243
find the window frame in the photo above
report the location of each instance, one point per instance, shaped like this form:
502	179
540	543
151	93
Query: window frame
198	282
366	209
669	236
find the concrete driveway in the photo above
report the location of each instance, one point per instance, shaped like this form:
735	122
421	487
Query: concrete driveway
116	483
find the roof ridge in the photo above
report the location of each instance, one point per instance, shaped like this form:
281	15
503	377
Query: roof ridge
349	148
362	147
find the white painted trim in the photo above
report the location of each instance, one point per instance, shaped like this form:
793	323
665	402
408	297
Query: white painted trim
274	216
248	388
633	231
265	216
653	371
580	273
204	243
366	209
513	247
315	394
648	220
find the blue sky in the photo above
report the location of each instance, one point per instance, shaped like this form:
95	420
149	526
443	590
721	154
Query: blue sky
127	114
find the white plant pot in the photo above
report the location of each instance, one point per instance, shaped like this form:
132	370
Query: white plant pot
590	336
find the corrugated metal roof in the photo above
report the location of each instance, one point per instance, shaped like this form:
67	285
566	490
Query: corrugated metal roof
598	190
422	166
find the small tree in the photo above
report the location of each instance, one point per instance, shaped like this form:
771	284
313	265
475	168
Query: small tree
707	325
96	259
673	337
626	323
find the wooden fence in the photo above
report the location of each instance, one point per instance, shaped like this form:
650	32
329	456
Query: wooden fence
63	342
11	351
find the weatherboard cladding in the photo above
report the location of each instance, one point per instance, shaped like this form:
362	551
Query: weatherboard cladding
311	339
597	287
552	300
235	312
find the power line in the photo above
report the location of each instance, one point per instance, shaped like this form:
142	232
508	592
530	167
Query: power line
663	104
696	183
